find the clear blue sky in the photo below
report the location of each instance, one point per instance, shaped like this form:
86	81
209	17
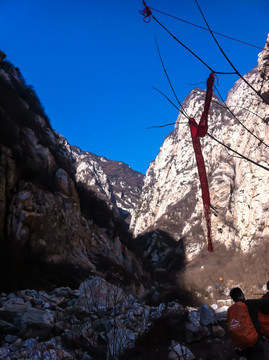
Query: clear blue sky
93	64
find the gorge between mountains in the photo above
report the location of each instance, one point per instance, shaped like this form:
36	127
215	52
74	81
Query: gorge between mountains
95	256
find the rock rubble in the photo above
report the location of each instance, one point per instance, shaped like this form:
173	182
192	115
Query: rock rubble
96	321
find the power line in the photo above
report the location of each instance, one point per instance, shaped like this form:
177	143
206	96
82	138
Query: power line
147	13
203	28
212	137
226	106
168	79
193	53
226	57
236	118
237	153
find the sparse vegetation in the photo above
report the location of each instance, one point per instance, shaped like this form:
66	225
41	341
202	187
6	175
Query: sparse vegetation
249	270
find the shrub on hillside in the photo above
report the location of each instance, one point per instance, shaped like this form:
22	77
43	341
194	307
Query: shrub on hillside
24	90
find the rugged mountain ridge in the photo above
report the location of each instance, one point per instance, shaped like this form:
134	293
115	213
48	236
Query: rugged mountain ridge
112	180
171	198
60	224
73	282
54	230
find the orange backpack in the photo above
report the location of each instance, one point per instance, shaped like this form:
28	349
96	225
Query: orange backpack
240	326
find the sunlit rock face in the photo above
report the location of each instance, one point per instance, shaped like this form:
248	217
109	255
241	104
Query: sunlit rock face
263	67
171	197
114	181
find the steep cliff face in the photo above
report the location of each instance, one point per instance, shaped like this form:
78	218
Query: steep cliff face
114	181
52	229
171	197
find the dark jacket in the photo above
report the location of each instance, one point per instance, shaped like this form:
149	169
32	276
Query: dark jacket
266	308
254	306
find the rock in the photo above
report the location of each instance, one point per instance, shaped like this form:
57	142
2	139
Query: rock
171	199
26	321
194	317
90	336
7	327
86	357
46	306
30	344
60	208
119	340
59	205
63	182
263	69
4	353
218	331
223	302
17	344
195	328
221	313
62	292
179	352
35	323
110	327
10	338
207	315
115	180
96	294
195	332
214	307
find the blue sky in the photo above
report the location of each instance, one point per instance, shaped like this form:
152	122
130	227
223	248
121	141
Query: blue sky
93	64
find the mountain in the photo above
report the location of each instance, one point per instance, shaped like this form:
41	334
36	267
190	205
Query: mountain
171	198
76	284
59	206
115	181
63	208
64	213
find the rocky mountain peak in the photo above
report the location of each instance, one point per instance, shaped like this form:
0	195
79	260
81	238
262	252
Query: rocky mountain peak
59	217
171	197
113	181
96	291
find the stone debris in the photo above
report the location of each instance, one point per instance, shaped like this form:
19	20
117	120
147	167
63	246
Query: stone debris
61	324
218	331
179	352
42	214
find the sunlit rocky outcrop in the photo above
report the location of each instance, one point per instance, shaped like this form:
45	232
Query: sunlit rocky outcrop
171	197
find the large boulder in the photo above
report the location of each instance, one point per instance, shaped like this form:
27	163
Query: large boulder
25	321
96	293
207	315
